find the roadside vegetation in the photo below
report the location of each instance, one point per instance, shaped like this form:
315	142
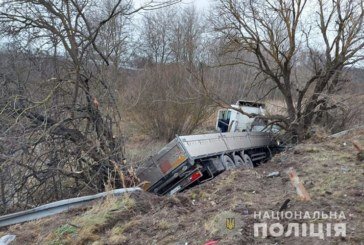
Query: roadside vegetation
328	167
90	88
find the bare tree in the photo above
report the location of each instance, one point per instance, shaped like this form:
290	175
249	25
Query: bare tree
59	119
169	102
277	33
186	32
172	36
156	35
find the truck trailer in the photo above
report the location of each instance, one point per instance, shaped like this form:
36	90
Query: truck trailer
191	159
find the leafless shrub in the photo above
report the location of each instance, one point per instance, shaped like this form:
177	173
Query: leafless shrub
169	104
58	111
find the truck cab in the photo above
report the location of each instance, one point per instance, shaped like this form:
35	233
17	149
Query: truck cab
230	120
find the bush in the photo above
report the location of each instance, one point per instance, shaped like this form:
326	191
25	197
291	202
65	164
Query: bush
169	103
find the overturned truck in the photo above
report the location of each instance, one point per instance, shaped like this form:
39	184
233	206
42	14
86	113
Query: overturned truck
188	160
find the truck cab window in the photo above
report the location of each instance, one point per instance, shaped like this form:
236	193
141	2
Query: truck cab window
224	120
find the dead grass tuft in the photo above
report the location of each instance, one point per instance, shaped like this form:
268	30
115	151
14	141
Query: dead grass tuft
163	224
90	225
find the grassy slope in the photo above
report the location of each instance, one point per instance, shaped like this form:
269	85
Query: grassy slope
329	169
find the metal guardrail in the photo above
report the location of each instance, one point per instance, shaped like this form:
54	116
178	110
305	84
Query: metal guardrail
57	207
342	133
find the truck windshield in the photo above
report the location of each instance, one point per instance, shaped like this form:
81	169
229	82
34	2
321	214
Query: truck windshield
224	120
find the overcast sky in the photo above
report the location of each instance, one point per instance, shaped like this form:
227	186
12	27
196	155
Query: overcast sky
200	4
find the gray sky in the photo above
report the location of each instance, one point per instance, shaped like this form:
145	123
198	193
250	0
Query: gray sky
200	4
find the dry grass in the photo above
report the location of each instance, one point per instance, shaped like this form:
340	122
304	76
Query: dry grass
163	224
120	229
86	227
117	233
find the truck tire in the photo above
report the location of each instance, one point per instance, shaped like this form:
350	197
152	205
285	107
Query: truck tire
227	162
238	161
248	163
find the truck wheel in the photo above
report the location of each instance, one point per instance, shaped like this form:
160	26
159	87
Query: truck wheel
248	163
227	162
238	161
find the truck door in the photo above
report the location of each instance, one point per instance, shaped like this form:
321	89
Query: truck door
223	120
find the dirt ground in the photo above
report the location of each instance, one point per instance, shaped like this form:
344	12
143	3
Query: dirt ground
327	167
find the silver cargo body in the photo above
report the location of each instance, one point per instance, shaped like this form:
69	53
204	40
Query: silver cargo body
191	147
204	145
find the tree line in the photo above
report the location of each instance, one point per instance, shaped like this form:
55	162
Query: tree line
72	70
